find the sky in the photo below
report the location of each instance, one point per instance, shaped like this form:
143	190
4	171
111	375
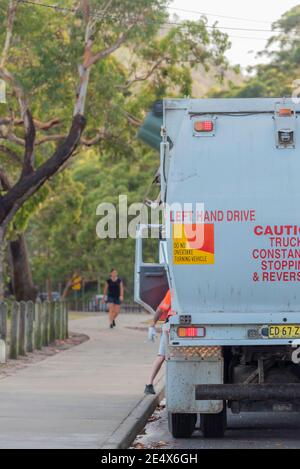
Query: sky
253	14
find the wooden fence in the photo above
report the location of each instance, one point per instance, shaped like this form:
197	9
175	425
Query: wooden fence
28	326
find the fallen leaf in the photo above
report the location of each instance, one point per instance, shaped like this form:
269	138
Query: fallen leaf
139	446
159	444
153	418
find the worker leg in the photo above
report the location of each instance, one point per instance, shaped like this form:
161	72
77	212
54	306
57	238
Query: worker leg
156	367
160	358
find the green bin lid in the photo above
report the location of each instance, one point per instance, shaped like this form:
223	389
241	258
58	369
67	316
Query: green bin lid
150	130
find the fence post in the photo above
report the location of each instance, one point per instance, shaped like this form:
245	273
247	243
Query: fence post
52	322
66	313
14	331
57	320
64	319
43	320
3	331
67	320
22	328
3	321
38	325
29	343
46	320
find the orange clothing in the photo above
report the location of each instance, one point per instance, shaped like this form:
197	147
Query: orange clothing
166	306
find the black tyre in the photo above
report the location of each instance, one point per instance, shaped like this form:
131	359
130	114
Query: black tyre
214	425
182	425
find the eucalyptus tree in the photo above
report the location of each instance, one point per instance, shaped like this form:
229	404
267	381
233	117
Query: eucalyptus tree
75	74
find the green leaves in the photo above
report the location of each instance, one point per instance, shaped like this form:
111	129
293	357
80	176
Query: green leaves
156	60
27	211
275	78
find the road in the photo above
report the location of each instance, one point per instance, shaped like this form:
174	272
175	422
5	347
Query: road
245	431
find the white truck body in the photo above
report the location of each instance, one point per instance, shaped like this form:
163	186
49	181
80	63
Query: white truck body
230	179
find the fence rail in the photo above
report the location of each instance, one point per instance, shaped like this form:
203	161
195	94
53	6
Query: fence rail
28	326
91	307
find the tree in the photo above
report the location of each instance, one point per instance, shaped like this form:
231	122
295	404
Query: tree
38	63
62	238
278	76
53	234
32	178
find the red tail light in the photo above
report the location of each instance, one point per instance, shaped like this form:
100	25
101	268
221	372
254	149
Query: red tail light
204	126
186	332
283	112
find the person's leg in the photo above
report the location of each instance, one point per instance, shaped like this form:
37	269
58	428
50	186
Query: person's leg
156	367
110	313
149	389
116	311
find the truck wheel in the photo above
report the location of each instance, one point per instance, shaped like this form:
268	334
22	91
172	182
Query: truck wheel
214	425
182	425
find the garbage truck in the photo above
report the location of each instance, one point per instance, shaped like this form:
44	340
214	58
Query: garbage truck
229	250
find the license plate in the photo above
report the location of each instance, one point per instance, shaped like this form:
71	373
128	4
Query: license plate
284	332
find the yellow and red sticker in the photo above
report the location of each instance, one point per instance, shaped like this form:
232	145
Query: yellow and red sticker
193	244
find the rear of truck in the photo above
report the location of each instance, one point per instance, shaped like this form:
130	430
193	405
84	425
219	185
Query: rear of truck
231	256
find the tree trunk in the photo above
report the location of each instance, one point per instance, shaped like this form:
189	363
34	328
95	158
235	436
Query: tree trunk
66	290
24	289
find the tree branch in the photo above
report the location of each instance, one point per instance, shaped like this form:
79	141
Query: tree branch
101	135
12	155
50	138
108	51
27	186
38	124
4	73
7	134
145	77
46	125
9	29
85	7
28	165
84	71
30	180
30	134
5	183
132	120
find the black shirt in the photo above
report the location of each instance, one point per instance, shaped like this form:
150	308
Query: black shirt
114	288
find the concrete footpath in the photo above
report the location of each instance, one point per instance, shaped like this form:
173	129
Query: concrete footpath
78	398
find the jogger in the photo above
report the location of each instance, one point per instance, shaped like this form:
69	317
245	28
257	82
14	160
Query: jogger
113	295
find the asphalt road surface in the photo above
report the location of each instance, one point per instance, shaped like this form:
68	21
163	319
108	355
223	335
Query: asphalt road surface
251	431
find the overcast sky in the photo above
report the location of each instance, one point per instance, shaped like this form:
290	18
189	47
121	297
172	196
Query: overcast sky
253	14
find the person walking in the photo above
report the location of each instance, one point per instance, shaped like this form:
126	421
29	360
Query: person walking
113	295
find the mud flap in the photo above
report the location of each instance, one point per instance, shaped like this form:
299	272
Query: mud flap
182	378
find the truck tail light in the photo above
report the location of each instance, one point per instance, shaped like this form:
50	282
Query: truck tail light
284	112
204	126
190	332
285	126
